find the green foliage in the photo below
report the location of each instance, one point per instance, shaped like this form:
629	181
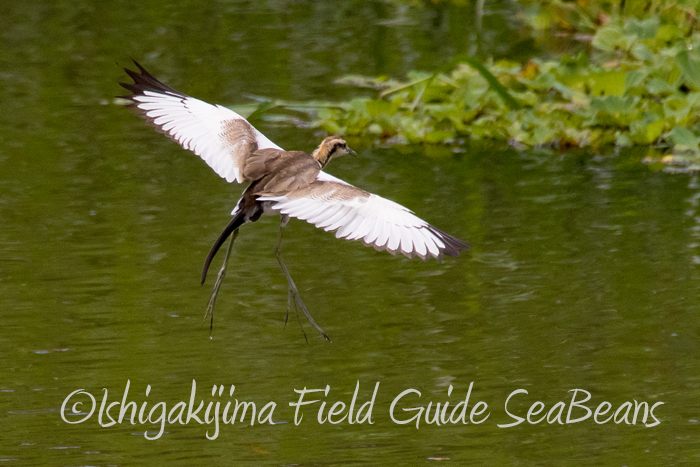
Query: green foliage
640	85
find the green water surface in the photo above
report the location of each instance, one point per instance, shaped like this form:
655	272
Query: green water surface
584	271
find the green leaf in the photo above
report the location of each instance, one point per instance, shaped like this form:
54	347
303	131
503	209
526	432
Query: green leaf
261	109
579	61
608	38
643	132
438	136
623	140
642	52
667	33
655	129
684	139
493	82
615	104
635	78
689	65
359	106
607	83
378	108
659	86
642	29
407	85
544	81
375	128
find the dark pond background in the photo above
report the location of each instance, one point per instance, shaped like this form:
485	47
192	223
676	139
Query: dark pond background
584	273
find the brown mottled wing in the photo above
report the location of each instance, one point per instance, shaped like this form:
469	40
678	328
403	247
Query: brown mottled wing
281	172
358	215
218	135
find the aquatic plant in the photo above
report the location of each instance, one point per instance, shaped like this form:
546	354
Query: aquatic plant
638	85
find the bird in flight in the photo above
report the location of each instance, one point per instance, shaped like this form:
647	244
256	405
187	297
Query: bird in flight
284	183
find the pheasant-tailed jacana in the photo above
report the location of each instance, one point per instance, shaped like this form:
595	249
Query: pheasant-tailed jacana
288	183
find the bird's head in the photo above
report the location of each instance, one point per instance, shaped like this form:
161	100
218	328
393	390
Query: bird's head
330	148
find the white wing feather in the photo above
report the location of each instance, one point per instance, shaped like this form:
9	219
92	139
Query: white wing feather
202	128
198	127
377	221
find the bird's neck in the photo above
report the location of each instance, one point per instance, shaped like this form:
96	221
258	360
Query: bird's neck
322	155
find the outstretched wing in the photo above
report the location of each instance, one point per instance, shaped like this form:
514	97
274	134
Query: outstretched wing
331	204
224	140
218	135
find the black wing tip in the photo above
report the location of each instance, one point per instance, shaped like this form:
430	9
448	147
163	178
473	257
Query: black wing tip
453	245
144	81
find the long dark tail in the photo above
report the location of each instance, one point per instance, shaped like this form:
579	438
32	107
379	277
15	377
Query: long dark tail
238	220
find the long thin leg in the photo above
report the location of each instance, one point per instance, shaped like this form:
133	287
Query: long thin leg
219	281
292	291
278	251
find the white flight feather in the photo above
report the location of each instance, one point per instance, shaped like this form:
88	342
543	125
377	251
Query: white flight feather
374	220
198	126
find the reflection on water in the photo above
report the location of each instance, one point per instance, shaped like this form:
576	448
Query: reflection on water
583	272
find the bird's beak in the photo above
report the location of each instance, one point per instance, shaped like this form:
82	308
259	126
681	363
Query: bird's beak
351	152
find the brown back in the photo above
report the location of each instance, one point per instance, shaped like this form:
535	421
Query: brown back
279	172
